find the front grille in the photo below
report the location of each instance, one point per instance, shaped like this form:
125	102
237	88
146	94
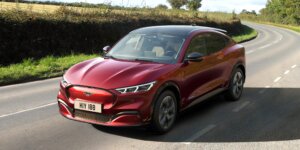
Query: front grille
92	116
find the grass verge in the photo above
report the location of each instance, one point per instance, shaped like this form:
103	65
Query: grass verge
47	67
247	35
291	27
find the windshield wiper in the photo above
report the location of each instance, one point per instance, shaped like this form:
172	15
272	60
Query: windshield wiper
137	59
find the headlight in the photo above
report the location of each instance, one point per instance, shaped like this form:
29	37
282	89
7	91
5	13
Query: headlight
137	88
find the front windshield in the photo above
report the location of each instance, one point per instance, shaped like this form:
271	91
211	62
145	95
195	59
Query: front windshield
160	48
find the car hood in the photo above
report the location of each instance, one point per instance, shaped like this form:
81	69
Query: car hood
111	73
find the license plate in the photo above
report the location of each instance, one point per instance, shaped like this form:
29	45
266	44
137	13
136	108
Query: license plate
88	106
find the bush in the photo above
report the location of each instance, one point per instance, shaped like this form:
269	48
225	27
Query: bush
161	6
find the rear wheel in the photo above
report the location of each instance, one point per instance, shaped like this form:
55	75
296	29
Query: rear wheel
165	112
236	85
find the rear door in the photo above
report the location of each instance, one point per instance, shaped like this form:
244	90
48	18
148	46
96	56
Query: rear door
206	75
216	44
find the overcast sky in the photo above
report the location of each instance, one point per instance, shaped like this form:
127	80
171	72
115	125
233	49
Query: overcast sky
210	5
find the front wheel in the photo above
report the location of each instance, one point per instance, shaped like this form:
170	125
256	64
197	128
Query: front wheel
165	112
236	85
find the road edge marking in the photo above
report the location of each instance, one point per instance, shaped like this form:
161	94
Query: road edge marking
240	107
26	110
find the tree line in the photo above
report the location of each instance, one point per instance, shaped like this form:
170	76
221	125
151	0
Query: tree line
282	11
175	4
190	4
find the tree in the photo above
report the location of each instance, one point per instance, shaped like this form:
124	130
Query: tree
253	12
161	6
176	4
244	11
234	16
282	11
194	4
262	11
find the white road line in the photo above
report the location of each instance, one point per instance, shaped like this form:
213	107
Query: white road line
294	66
277	79
249	52
262	47
287	72
265	46
243	105
199	133
26	110
281	37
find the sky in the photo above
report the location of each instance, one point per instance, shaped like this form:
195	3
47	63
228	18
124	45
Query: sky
207	5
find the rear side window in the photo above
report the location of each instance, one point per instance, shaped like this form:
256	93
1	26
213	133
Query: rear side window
215	42
197	45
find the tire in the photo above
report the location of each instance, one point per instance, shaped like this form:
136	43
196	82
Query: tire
164	112
236	85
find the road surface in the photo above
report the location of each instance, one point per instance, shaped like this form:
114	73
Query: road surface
267	116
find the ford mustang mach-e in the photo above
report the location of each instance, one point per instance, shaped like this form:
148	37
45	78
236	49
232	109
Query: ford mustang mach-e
151	75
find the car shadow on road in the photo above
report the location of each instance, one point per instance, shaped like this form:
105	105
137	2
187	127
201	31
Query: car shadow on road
263	114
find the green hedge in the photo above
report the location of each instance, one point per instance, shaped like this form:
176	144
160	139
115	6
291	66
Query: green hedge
35	35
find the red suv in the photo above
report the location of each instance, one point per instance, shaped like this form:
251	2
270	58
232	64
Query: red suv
151	75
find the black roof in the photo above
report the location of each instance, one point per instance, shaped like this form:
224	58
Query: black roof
181	30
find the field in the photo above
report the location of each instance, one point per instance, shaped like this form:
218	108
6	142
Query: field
28	7
41	41
111	11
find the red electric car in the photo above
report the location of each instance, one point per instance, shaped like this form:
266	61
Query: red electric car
151	75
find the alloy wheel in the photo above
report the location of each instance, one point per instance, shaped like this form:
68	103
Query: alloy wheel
238	81
167	112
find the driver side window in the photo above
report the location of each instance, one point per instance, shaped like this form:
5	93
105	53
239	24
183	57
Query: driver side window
197	45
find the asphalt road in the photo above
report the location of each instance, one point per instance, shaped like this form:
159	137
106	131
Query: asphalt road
267	116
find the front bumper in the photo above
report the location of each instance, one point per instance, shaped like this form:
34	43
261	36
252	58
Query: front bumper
129	118
119	110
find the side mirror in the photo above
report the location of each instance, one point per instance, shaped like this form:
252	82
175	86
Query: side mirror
195	56
106	49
